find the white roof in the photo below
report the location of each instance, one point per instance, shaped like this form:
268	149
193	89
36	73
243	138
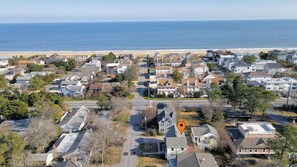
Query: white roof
112	64
258	127
66	143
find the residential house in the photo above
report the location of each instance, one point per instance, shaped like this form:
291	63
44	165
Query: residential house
164	70
243	68
282	54
37	160
176	143
167	87
65	83
257	76
84	77
205	137
23	63
185	72
94	64
189	86
198	68
95	89
111	68
74	120
166	117
250	138
4	60
272	68
283	85
39	62
55	59
196	160
217	81
125	61
210	53
20	126
222	58
74	147
121	69
293	59
259	65
82	58
72	91
24	80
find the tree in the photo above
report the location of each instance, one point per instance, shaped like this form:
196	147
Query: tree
33	99
149	116
266	56
249	59
132	73
34	67
213	93
119	91
13	109
103	101
177	76
212	66
284	143
36	83
12	148
3	82
207	114
220	127
41	132
265	101
118	105
109	58
105	135
49	110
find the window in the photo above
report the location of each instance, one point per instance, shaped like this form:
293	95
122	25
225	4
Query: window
251	150
240	150
256	149
182	149
264	149
172	149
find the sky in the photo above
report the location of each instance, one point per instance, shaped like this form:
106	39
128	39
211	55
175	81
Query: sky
19	11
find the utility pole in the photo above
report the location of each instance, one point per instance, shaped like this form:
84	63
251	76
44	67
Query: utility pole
289	92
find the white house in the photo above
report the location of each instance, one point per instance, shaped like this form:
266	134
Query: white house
272	68
121	69
72	90
199	68
205	136
261	63
75	120
280	84
164	70
243	68
166	86
257	76
176	143
4	60
222	58
94	64
293	59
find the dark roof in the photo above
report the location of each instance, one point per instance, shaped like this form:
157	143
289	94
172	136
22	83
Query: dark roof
166	110
75	118
196	159
258	74
274	65
230	113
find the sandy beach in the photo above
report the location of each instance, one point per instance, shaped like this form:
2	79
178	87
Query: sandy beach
134	52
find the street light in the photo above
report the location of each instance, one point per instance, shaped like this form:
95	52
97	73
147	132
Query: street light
145	124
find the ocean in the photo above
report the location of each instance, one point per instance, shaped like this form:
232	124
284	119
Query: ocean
148	35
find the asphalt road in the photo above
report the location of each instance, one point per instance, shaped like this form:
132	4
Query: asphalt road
130	148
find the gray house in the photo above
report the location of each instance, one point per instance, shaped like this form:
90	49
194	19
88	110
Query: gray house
166	117
205	136
176	143
74	121
272	68
196	159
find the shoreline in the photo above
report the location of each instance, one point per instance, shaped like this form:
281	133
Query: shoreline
144	52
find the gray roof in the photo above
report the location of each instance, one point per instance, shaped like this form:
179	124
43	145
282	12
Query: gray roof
258	74
242	65
75	88
69	82
204	129
196	159
166	110
74	119
65	164
241	142
274	65
176	142
37	157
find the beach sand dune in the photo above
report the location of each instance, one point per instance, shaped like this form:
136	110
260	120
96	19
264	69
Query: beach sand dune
134	52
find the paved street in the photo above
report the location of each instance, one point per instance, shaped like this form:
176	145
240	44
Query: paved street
129	156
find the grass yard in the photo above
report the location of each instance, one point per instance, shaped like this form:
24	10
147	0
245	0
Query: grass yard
123	117
113	155
286	113
192	119
149	147
156	161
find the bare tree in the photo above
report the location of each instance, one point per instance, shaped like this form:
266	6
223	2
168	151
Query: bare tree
220	127
41	132
105	135
207	113
118	105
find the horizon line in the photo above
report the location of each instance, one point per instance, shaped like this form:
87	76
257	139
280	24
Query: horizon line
139	21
